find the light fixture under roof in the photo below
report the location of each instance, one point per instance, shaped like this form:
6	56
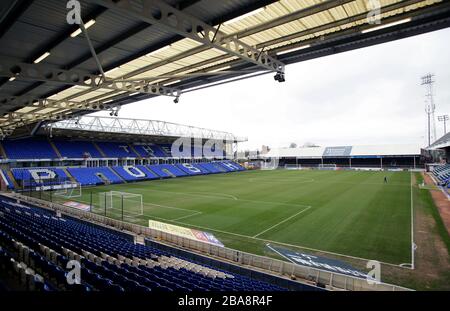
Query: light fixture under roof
231	21
220	69
112	70
86	26
42	57
402	21
294	49
172	82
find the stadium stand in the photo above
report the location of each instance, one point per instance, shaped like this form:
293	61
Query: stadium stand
150	151
9	182
201	168
167	170
167	149
28	149
76	149
190	169
209	167
160	171
230	166
39	148
38	246
364	156
116	150
197	151
39	176
133	173
88	176
442	174
150	174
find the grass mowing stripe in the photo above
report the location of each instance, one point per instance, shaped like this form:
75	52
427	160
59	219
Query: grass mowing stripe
354	213
223	197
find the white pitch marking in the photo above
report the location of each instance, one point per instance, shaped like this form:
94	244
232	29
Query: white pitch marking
221	195
170	207
278	180
265	240
188	216
281	222
275	242
194	212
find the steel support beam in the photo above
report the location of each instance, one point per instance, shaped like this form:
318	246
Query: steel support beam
301	13
190	75
32	102
142	127
171	19
320	40
334	24
65	108
294	16
138	28
92	49
13	120
43	72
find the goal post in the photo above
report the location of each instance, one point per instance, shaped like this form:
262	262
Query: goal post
330	167
68	189
292	167
130	204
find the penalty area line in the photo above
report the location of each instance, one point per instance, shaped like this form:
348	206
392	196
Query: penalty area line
222	197
187	216
150	205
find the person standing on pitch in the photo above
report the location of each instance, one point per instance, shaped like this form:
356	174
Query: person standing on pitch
385	179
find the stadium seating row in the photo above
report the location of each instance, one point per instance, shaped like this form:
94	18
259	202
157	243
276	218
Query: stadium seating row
39	148
88	176
37	245
442	174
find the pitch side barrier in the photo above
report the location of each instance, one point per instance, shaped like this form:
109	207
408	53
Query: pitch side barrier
303	274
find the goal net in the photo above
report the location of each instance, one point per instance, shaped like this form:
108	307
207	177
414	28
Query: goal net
271	165
116	201
327	167
68	189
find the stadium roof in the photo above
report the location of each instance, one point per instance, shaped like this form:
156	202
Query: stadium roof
51	70
346	151
137	130
443	142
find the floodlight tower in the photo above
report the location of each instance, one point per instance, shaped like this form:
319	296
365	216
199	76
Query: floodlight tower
444	118
428	81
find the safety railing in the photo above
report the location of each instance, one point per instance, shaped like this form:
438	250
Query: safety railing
303	274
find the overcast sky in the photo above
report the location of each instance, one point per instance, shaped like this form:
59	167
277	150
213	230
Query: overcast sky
366	96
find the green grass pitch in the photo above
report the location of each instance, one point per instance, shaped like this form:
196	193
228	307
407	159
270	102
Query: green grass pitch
352	213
